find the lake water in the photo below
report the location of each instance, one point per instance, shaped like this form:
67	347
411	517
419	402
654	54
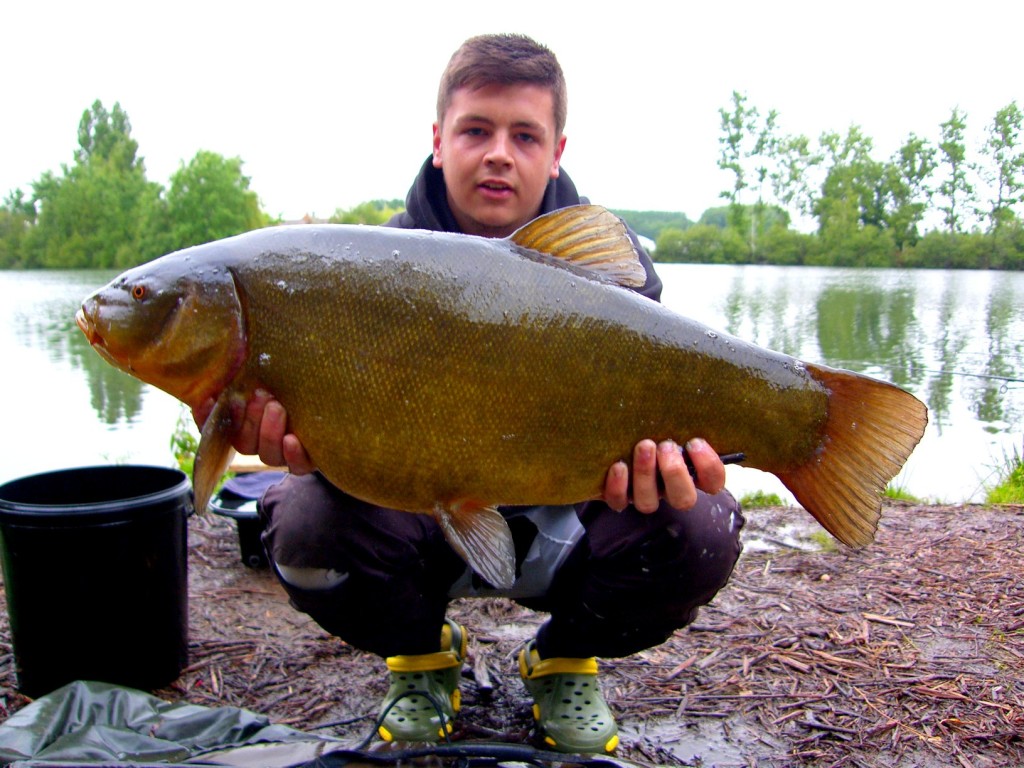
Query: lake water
954	338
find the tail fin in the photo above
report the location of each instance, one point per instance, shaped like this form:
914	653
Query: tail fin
871	429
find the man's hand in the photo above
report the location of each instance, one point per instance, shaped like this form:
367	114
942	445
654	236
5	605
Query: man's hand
264	433
665	458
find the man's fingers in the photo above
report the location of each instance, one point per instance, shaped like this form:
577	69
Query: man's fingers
680	491
271	434
646	496
295	456
247	440
616	486
708	465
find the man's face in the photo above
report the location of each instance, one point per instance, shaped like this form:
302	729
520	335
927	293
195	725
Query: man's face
497	148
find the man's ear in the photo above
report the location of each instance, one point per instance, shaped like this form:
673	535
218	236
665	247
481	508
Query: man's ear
559	149
437	145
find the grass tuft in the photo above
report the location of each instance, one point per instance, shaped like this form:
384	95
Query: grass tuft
900	493
1009	489
761	499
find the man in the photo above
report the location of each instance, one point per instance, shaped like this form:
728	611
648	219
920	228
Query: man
617	575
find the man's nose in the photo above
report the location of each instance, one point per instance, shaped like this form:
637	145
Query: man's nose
499	149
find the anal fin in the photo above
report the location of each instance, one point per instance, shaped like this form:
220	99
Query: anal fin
481	537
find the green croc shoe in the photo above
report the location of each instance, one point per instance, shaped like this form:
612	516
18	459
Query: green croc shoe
423	697
570	711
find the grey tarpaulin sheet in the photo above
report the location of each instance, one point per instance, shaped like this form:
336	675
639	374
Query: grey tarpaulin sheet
97	723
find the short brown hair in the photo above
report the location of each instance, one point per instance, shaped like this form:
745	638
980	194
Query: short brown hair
503	60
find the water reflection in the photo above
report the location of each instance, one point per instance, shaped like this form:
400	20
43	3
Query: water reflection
949	344
66	406
989	398
952	338
870	328
925	332
767	314
48	324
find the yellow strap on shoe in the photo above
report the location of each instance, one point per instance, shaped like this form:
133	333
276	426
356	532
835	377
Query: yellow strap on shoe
556	666
423	662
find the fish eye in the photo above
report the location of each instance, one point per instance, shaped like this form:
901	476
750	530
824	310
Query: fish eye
138	292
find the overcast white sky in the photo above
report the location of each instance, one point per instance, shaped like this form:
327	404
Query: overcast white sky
330	104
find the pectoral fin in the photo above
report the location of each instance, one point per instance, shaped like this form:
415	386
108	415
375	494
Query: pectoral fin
214	453
482	538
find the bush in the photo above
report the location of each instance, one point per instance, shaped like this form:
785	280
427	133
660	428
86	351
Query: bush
701	244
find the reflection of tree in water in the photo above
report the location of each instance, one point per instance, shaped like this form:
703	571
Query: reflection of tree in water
988	395
114	395
949	344
871	327
767	311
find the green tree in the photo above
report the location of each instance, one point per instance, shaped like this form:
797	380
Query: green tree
851	194
94	214
747	150
701	244
784	246
17	214
104	135
651	223
792	178
1006	174
771	217
955	189
716	217
209	199
906	184
373	212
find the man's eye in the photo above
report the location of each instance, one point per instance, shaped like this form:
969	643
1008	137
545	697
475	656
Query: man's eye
527	138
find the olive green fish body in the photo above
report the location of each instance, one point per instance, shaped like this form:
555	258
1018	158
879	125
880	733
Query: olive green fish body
494	378
446	374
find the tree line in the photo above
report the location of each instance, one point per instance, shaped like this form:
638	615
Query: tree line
101	211
933	203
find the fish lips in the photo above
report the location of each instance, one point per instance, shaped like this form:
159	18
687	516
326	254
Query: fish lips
95	339
87	326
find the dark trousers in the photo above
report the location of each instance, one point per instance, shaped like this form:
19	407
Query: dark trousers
630	581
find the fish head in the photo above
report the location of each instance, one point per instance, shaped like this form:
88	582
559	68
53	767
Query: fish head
171	323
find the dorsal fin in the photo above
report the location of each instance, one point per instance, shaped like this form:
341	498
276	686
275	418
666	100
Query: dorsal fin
589	237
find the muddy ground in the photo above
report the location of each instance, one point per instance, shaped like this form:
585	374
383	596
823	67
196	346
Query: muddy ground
907	653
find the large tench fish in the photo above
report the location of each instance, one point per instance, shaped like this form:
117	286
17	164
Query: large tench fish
447	374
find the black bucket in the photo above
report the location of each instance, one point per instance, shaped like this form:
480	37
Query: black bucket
95	570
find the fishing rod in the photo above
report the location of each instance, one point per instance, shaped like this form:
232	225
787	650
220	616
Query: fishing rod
862	365
994	376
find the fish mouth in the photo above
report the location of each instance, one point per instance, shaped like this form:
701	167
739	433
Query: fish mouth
96	340
87	326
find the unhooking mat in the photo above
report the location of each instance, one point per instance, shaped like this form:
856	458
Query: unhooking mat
98	724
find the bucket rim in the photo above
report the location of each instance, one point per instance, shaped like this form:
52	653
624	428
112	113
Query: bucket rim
21	511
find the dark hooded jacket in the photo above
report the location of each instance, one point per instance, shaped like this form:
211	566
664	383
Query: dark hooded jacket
426	207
